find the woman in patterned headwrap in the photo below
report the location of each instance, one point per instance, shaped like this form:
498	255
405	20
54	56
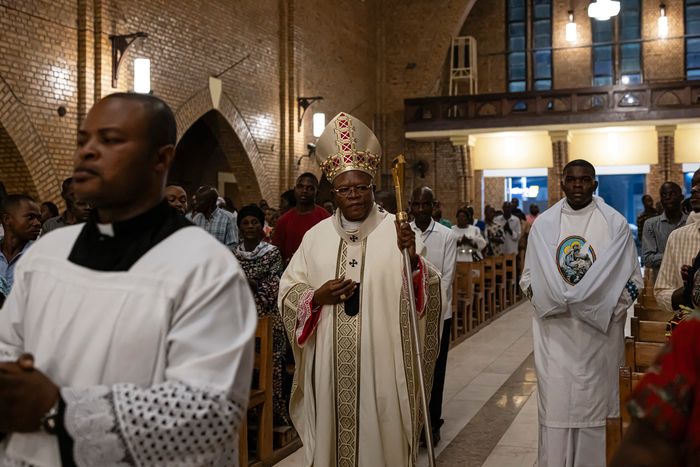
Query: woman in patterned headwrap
262	264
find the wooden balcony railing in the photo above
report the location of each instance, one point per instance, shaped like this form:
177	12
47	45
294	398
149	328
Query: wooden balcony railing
648	102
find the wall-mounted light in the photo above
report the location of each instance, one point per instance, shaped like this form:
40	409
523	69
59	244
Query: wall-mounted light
319	124
119	45
603	10
663	22
571	28
304	103
142	75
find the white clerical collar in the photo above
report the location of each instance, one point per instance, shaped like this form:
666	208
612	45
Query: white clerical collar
349	226
106	229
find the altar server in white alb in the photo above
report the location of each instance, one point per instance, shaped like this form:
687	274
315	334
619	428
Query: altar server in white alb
344	301
581	275
140	325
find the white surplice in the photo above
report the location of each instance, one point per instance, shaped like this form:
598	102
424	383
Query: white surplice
581	274
355	400
154	363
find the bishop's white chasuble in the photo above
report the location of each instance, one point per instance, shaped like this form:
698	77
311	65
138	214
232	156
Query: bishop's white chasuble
355	399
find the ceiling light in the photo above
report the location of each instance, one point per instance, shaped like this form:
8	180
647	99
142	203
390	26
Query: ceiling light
603	10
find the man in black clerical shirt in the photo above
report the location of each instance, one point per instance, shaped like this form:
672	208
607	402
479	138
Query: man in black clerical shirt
106	358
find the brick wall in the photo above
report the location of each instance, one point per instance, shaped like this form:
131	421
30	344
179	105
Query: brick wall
16	176
494	192
58	54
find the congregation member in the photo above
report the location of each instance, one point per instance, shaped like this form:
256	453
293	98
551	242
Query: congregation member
480	223
534	212
220	223
441	251
657	229
48	210
494	232
21	221
344	306
287	201
293	224
470	242
263	268
665	406
77	211
386	199
681	248
3	194
437	217
511	229
177	198
649	212
329	207
517	212
581	275
132	334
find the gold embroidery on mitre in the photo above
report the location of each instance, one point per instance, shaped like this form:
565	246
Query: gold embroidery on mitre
347	144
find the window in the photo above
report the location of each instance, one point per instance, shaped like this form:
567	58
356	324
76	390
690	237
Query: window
628	50
517	45
542	44
630	47
603	54
692	44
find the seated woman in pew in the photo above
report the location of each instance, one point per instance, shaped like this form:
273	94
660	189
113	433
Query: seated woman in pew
665	407
690	301
470	242
262	264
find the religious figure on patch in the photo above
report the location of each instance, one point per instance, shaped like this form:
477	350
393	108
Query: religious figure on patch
345	305
573	259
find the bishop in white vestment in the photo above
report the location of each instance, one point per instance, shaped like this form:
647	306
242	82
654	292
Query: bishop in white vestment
355	399
581	275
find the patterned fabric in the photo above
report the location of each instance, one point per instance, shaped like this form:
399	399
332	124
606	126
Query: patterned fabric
221	225
264	266
668	397
495	236
169	424
4	287
682	247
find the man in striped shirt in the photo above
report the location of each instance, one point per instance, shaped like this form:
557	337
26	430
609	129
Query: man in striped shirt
682	247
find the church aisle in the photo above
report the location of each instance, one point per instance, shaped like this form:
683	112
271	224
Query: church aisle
484	364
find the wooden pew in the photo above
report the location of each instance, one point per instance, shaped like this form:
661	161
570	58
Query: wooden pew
511	265
486	295
501	281
652	314
260	396
463	299
648	331
495	289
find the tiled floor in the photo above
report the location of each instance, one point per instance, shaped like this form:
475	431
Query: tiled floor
476	369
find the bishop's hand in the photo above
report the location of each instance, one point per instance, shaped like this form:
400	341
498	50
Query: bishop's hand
334	291
26	395
406	239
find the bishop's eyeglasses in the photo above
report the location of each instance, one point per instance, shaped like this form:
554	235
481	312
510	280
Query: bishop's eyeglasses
345	191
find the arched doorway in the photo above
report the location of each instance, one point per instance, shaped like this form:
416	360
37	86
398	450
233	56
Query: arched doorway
13	171
210	153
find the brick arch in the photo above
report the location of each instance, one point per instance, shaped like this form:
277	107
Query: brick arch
200	104
29	144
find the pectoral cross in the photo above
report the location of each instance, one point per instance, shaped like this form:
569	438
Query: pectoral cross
353	238
353	263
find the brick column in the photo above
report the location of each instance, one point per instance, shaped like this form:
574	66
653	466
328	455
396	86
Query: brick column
467	186
560	157
666	168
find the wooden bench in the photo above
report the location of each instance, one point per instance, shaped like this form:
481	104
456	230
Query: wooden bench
648	331
640	355
495	289
260	396
652	314
511	269
615	427
463	300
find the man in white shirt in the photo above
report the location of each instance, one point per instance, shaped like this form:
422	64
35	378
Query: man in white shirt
682	247
470	241
511	228
581	275
441	245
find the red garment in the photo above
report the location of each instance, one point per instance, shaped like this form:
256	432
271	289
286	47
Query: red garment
292	226
668	396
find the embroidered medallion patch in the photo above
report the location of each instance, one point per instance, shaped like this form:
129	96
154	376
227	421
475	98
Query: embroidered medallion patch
574	257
